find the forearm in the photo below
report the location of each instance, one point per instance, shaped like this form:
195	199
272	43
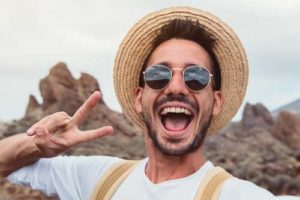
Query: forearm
16	152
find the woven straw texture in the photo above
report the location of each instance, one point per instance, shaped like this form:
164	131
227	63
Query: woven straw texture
136	46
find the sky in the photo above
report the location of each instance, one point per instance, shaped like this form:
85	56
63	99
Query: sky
37	34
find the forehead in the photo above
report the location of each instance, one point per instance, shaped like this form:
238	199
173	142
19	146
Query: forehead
180	53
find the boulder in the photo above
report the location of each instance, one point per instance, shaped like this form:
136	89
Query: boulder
287	129
59	91
256	116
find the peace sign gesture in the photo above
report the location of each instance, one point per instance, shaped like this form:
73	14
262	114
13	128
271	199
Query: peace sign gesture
58	132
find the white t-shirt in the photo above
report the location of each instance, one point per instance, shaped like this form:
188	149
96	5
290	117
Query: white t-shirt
74	177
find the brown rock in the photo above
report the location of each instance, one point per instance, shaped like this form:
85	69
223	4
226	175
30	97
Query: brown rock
287	129
32	104
63	76
87	84
256	155
256	116
61	89
33	108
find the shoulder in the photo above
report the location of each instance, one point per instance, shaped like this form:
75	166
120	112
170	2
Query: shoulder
65	165
238	189
81	161
64	175
80	166
64	162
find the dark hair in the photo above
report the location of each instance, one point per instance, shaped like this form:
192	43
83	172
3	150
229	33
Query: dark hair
189	30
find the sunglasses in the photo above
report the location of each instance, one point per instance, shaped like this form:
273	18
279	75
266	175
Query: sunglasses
195	77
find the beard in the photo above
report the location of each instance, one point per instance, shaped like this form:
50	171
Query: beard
174	147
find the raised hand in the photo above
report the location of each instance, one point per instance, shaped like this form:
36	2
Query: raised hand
56	133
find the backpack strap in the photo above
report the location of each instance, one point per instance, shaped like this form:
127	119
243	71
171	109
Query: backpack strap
211	184
112	179
209	188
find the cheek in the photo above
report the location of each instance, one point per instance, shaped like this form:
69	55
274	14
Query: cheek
147	101
205	104
204	114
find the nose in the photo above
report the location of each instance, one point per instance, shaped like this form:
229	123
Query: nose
176	85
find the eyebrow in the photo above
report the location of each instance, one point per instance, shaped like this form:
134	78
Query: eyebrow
168	64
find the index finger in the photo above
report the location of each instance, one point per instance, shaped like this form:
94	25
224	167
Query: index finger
86	108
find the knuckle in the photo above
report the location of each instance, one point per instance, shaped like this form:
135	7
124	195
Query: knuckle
33	127
89	137
40	131
88	105
64	122
59	118
81	112
80	115
63	114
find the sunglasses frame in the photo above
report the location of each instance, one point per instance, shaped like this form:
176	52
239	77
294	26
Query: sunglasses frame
182	76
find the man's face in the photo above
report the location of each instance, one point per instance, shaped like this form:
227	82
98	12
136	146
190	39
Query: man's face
177	119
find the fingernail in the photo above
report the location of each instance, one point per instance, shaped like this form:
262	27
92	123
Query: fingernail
29	131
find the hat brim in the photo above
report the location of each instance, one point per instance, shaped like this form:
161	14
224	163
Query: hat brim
137	45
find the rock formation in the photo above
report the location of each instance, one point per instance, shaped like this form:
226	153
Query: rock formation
287	129
261	150
256	116
60	91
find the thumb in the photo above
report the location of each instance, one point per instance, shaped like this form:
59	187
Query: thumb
90	135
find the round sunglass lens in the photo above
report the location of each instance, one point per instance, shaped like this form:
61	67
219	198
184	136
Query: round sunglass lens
196	78
157	76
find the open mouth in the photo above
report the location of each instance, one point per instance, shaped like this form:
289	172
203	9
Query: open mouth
175	119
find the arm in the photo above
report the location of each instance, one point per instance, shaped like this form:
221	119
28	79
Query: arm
17	151
49	137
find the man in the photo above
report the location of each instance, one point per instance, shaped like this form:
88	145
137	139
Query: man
180	73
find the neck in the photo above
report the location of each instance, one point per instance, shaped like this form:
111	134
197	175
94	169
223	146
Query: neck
162	167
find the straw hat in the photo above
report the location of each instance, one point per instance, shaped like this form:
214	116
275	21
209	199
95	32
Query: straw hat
136	46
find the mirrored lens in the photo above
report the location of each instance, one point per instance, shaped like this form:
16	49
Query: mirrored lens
157	76
196	78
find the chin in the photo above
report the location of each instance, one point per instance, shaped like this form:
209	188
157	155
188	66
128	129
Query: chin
178	146
176	126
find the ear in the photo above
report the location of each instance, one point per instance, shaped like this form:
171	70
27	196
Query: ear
218	102
138	99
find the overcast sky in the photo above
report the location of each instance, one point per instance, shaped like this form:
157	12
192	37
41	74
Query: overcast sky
35	35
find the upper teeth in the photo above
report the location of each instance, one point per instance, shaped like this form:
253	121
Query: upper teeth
175	110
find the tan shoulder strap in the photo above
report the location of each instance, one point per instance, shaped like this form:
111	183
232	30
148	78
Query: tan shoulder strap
211	184
209	188
111	180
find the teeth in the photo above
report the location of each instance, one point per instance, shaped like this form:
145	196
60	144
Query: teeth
187	112
175	110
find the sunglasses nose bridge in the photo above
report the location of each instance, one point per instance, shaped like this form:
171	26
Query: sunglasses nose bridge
179	73
176	84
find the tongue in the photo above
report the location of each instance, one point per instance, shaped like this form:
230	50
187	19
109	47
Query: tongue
176	123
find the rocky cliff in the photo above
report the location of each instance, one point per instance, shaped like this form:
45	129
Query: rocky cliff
60	91
260	148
